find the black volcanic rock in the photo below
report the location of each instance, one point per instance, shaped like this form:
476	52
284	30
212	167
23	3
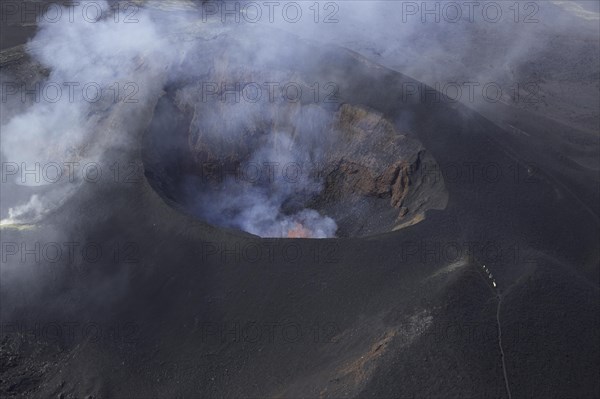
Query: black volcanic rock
201	311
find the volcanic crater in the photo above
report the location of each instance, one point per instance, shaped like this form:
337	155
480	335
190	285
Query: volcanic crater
282	167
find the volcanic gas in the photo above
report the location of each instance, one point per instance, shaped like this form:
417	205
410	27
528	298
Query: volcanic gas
277	165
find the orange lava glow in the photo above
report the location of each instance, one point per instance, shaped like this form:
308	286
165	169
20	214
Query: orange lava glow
299	231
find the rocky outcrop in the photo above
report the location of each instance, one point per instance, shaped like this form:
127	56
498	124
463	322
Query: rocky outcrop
374	160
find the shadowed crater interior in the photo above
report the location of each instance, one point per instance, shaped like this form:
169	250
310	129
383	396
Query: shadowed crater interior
293	158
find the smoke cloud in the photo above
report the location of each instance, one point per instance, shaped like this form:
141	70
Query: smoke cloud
258	206
435	42
94	67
